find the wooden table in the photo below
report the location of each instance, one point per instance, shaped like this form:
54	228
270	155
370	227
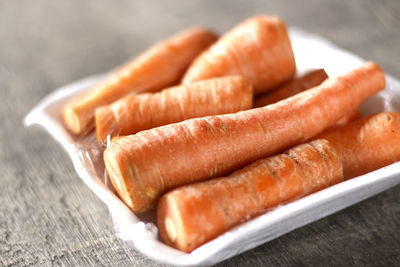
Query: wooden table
49	217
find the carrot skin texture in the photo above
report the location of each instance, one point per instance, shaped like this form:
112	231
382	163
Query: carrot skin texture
135	113
291	88
192	215
160	66
140	165
368	143
258	49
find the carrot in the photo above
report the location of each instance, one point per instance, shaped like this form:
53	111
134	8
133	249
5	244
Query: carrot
134	113
192	215
291	88
258	49
298	85
143	166
368	143
159	67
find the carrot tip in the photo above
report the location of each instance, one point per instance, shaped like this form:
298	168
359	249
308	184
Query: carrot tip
72	120
120	186
170	229
105	124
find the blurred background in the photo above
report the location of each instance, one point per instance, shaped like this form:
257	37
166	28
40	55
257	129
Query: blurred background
49	217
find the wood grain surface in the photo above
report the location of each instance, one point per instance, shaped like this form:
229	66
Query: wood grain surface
50	218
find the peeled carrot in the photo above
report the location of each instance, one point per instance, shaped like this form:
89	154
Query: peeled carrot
258	49
292	87
161	66
192	215
298	85
135	113
368	143
143	166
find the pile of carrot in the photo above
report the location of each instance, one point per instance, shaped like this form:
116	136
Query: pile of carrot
193	143
212	146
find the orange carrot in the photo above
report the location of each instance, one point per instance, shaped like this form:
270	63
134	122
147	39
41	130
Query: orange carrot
143	166
135	113
291	88
159	67
192	215
258	49
368	143
298	85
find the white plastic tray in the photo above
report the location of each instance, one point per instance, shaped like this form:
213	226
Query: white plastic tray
141	232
